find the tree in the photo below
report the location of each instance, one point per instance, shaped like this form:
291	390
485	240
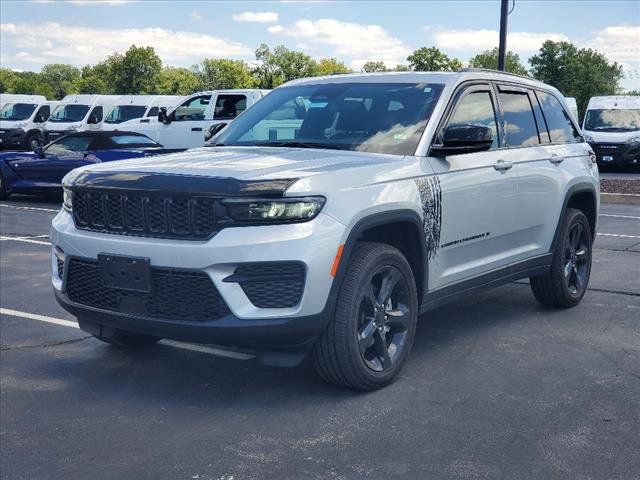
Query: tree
431	59
60	78
489	59
220	73
266	72
95	79
330	66
8	79
292	64
30	83
402	68
136	71
177	81
372	66
580	73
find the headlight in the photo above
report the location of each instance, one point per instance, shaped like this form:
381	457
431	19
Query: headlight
634	139
587	138
285	210
67	199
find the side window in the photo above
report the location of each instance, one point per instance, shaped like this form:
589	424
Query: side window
229	106
519	123
97	112
192	109
476	108
68	145
153	112
561	129
43	114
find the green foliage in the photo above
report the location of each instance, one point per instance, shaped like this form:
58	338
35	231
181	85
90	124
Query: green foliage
135	72
223	73
94	79
292	64
431	59
330	66
489	59
177	81
580	73
61	78
372	66
31	84
8	79
266	73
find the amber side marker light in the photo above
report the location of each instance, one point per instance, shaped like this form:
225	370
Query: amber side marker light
336	261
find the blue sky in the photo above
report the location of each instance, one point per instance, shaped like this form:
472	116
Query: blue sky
85	31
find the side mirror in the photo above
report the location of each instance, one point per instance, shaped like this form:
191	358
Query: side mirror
93	119
463	138
213	130
39	119
163	117
37	149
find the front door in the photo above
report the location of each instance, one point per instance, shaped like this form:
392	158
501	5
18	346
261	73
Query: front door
187	127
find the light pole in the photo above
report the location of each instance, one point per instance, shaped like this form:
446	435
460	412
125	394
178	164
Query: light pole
502	49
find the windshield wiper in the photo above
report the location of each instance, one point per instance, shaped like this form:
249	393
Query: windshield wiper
302	145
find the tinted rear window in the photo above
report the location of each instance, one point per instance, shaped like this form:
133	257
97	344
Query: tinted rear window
561	129
519	122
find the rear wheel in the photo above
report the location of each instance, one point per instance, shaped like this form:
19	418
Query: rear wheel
32	141
566	282
367	342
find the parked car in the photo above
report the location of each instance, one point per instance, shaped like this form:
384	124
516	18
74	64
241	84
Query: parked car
22	123
132	109
395	193
78	113
612	127
186	125
42	171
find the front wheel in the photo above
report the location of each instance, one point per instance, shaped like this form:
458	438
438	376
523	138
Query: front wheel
368	340
32	141
566	282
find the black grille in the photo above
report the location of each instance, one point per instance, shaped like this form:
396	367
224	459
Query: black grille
175	294
610	150
142	214
271	284
60	266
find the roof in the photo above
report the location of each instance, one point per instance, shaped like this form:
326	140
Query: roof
422	77
615	102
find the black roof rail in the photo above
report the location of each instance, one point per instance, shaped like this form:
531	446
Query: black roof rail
491	70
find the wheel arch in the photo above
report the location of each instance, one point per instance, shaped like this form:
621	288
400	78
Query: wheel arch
582	196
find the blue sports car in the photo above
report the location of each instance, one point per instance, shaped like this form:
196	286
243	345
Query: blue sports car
41	171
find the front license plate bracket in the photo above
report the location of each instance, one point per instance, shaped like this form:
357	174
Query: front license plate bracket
125	273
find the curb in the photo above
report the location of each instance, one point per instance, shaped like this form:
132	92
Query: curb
628	198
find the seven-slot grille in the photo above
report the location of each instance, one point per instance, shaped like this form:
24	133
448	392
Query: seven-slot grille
145	214
176	295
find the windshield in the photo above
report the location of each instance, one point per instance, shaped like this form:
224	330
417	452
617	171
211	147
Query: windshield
372	117
618	120
69	145
17	111
69	113
122	113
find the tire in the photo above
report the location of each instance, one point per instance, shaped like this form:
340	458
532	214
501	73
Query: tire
30	139
572	254
4	192
124	339
362	349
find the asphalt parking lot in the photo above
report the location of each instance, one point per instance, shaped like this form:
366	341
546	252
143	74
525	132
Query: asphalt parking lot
497	386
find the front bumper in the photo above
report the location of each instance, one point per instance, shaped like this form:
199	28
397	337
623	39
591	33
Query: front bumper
245	326
11	138
617	154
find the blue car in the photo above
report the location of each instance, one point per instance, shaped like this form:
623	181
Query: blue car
42	170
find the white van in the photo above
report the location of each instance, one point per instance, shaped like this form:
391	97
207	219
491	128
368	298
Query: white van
19	97
78	113
185	126
612	126
573	107
132	109
22	121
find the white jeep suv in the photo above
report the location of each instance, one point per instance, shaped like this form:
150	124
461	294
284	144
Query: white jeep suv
329	216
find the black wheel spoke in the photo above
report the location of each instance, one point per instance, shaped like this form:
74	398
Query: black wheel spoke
365	335
581	255
371	297
389	281
576	236
398	318
567	269
382	349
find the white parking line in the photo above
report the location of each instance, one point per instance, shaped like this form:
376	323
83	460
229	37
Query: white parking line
37	209
618	216
25	240
618	235
170	343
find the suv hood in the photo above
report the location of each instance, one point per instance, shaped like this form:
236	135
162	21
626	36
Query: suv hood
246	163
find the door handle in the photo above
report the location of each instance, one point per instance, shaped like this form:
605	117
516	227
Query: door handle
502	165
196	129
144	120
556	159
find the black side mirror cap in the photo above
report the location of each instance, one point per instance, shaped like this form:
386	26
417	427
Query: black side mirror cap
163	117
463	138
92	120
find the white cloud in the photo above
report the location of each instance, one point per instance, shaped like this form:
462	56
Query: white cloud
356	41
464	40
259	17
97	2
82	45
620	43
275	29
196	17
